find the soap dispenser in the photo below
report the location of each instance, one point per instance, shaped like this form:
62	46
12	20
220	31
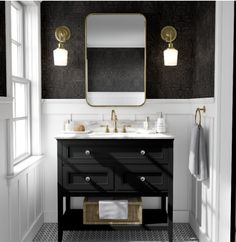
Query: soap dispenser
161	124
69	125
146	123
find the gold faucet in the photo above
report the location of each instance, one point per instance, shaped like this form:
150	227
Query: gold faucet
114	119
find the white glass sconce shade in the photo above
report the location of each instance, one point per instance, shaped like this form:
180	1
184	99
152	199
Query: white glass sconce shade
170	57
169	34
60	56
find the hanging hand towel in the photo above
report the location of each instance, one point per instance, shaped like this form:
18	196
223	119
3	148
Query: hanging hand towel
203	162
113	209
198	163
194	149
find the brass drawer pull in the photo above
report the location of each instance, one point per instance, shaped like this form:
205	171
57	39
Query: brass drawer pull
87	152
142	152
87	179
142	179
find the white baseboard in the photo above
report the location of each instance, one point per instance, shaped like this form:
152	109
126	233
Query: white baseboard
197	229
179	216
50	217
34	228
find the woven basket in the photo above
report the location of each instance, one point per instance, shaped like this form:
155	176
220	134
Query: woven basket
91	212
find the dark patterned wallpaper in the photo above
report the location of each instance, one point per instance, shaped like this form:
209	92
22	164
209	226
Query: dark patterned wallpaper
2	50
162	82
204	51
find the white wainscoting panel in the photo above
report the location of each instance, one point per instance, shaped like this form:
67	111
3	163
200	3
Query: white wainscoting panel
26	197
20	215
203	214
4	199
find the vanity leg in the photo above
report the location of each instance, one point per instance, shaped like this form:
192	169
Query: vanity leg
67	203
163	203
60	213
170	196
170	215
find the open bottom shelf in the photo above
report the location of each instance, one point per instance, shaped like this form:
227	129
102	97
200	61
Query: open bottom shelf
152	219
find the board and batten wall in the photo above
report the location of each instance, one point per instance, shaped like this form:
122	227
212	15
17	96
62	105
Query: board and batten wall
21	203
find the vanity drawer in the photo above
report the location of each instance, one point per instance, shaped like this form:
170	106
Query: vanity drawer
124	151
88	178
145	178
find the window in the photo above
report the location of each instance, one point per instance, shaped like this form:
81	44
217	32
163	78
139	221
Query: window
20	87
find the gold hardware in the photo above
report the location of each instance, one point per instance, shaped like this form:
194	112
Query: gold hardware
62	34
124	128
107	128
114	119
198	111
86	61
169	34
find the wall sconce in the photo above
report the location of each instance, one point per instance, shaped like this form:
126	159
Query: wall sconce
169	34
60	54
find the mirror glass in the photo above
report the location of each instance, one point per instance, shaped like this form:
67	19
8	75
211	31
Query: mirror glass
115	59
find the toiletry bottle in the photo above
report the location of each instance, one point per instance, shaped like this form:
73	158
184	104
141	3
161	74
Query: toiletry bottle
146	123
72	123
67	126
161	124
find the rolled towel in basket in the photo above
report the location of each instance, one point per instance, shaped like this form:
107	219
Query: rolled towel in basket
113	209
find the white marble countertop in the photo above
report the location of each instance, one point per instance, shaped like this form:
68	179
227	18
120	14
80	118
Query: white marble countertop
101	135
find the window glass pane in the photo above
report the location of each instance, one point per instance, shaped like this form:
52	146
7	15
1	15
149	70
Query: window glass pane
14	62
15	24
20	100
20	137
13	95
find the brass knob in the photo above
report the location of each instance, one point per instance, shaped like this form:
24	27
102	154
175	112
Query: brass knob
87	179
87	152
142	179
142	152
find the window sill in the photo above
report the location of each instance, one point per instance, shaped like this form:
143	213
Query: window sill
24	165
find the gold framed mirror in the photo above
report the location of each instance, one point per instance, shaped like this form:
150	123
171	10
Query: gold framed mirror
115	54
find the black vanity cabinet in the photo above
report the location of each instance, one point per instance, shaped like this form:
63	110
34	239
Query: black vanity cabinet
115	167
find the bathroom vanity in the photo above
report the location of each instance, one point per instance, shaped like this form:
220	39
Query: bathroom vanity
115	165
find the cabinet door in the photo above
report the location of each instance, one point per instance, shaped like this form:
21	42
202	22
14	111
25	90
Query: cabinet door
142	178
88	178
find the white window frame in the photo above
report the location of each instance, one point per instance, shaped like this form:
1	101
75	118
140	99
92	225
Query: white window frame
32	41
27	117
22	80
19	7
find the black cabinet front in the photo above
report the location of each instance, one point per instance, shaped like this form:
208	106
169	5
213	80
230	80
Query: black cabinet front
113	167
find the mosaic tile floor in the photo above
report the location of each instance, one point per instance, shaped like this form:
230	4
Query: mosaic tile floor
182	232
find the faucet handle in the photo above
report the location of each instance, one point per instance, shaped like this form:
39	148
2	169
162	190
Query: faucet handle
107	128
124	127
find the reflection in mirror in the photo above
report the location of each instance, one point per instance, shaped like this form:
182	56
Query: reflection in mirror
115	59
